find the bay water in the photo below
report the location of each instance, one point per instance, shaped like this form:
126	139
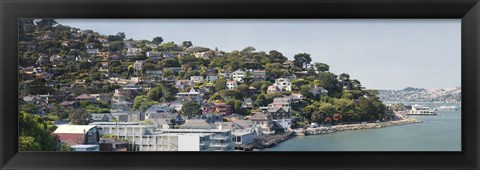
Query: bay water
436	133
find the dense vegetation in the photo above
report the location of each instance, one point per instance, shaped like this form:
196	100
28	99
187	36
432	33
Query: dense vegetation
346	101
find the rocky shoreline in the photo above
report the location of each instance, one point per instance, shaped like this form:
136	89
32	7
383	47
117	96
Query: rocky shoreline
337	128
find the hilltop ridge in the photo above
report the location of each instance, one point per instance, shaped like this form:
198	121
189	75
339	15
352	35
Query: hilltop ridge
411	94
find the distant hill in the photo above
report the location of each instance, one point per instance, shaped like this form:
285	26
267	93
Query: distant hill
411	94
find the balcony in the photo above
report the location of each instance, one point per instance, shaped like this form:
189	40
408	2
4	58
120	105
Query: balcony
218	137
220	145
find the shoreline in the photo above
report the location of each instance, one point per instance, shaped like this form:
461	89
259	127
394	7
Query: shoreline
333	129
338	128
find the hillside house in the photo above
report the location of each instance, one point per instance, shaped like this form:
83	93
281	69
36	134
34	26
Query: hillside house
231	85
283	84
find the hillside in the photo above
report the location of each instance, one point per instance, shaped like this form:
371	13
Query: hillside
410	94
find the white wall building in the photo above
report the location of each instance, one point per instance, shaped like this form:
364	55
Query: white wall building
239	75
232	85
283	84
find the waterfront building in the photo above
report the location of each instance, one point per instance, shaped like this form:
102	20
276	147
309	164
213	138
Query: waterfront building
112	144
101	117
77	134
263	121
280	108
244	132
196	124
85	148
219	139
160	123
128	116
149	139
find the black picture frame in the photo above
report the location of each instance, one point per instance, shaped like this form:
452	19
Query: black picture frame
466	10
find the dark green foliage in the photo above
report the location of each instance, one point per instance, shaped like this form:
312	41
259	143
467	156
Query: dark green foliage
142	103
157	40
322	67
220	84
38	86
35	133
301	60
191	108
80	117
155	93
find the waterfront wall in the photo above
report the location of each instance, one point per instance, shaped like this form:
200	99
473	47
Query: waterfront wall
336	128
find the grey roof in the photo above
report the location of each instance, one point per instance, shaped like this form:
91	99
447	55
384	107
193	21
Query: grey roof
125	113
282	100
159	121
196	124
259	116
101	116
243	123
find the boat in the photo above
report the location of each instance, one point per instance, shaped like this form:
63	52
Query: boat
421	110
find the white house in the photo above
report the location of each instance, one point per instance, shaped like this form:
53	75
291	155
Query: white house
196	79
239	75
195	95
283	84
232	85
133	51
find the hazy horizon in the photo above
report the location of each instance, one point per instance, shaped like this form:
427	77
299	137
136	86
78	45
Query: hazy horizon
382	54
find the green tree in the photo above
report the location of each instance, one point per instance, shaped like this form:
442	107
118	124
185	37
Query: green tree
344	77
170	62
301	60
191	108
38	86
322	67
274	71
220	84
244	90
142	103
157	40
28	143
187	44
80	117
261	100
35	133
46	23
277	57
155	94
169	93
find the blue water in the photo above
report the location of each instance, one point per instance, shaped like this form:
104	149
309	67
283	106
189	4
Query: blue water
435	133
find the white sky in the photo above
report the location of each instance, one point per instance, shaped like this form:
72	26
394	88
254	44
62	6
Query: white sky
382	54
